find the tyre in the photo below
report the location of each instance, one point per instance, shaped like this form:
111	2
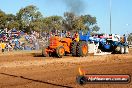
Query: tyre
81	80
73	48
60	51
82	49
44	52
122	49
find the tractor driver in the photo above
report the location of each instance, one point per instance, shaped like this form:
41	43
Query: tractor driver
68	35
76	37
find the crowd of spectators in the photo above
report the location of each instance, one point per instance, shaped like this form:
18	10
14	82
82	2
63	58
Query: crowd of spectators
18	40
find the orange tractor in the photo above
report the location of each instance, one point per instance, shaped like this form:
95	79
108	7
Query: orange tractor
61	46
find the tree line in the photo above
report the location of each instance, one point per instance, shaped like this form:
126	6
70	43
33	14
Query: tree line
30	18
130	37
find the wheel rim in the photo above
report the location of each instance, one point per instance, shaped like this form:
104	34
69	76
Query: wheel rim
84	49
61	51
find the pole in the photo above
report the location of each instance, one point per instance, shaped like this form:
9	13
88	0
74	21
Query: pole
110	16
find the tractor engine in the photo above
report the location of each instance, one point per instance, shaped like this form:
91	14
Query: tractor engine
57	46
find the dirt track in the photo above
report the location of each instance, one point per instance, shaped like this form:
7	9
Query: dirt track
28	71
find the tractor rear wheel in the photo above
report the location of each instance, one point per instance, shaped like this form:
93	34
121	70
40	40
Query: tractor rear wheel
60	51
82	49
73	48
44	52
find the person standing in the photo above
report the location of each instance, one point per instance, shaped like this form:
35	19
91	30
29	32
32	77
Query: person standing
3	46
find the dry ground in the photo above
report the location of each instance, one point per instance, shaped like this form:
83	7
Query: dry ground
26	70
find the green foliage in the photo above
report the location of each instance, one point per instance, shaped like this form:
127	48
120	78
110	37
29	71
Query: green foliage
88	19
69	19
52	23
11	17
29	18
83	22
95	28
3	18
13	24
129	37
36	25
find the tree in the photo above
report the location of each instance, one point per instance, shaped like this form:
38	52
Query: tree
36	25
12	22
89	20
68	21
2	19
8	20
95	28
11	17
53	23
78	24
129	37
28	17
83	22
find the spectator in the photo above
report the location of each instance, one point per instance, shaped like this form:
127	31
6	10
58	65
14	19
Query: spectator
36	45
5	30
17	44
9	47
27	37
3	46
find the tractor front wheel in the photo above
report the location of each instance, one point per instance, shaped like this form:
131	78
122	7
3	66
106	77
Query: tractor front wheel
60	51
44	52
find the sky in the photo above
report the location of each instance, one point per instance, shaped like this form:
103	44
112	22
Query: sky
121	11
